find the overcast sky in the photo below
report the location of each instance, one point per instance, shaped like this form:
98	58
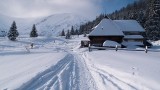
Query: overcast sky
38	8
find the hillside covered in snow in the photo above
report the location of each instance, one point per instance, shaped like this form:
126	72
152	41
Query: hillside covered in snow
52	24
22	23
56	23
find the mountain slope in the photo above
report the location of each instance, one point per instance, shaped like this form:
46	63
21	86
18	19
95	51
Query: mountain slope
22	23
5	21
56	23
51	25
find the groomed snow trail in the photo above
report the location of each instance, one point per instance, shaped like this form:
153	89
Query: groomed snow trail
70	73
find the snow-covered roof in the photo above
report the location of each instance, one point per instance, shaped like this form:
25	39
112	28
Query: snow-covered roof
129	25
132	43
111	43
106	28
133	37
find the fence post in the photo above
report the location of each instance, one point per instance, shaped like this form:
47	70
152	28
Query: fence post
146	49
89	47
116	48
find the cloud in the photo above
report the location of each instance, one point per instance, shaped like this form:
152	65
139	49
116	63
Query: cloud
38	8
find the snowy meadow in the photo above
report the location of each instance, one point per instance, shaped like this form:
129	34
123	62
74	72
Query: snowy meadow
55	63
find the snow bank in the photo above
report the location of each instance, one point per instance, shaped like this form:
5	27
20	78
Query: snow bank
109	43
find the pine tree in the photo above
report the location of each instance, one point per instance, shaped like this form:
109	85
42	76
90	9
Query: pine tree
153	22
77	32
68	35
72	31
34	32
141	18
84	34
13	33
81	29
134	14
63	33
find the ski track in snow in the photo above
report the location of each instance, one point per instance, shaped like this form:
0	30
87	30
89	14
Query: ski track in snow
68	74
109	81
108	78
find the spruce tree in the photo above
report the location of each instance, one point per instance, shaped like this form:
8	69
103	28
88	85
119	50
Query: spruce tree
153	22
63	33
84	34
72	31
68	35
76	32
13	33
34	32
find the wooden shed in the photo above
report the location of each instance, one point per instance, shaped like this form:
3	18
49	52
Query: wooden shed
125	32
105	30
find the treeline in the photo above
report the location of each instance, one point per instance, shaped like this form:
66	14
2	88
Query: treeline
136	11
146	12
70	32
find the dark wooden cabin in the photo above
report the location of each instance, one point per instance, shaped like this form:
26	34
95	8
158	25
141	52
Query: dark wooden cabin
105	30
124	32
99	40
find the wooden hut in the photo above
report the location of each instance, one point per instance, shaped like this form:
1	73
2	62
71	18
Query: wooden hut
105	30
125	32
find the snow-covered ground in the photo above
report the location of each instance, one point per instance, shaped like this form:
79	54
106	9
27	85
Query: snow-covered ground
17	65
58	64
125	70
